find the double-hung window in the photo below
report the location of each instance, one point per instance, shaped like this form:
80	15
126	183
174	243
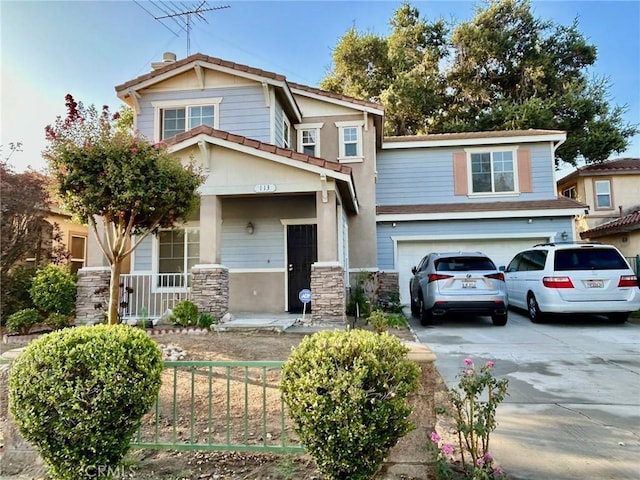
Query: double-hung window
174	117
493	172
309	138
178	251
350	141
603	193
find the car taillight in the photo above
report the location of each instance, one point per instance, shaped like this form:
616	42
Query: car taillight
496	276
438	276
557	282
628	281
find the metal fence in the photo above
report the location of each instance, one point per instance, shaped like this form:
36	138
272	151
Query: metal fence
635	264
151	295
219	405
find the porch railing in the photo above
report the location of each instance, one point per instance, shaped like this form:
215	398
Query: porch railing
151	295
219	405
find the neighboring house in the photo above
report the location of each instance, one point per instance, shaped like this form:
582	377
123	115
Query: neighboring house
302	191
611	190
73	237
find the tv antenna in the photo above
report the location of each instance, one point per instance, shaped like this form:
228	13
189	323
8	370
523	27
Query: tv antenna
182	15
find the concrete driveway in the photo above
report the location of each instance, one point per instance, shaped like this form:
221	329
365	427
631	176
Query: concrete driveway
573	410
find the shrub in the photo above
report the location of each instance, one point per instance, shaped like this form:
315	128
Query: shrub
205	320
378	319
78	395
21	322
185	314
54	290
346	393
57	321
14	290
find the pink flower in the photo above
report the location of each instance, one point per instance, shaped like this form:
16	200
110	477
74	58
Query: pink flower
489	364
468	362
487	457
480	461
435	438
468	372
447	449
134	150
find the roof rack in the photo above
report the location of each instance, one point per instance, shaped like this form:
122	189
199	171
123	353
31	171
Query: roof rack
575	242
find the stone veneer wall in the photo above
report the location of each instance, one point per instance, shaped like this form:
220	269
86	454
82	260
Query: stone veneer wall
90	280
388	286
210	289
328	302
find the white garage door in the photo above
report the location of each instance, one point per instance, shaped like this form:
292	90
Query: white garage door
500	250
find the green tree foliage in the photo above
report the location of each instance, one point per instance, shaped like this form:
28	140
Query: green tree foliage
504	69
346	392
109	176
78	395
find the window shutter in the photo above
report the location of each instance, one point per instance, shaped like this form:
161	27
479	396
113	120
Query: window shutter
460	186
525	181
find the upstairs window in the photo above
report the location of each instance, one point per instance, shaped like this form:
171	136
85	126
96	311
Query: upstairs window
350	141
603	193
570	192
175	117
309	138
493	172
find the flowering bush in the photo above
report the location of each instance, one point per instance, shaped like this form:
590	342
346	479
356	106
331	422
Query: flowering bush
474	401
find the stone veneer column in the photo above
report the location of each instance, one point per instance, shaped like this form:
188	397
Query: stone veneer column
92	298
328	302
388	285
210	289
410	457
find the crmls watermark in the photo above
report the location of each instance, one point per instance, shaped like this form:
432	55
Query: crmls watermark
108	471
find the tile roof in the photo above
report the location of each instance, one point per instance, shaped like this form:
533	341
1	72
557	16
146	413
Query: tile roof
204	58
336	96
613	167
559	203
260	146
627	223
470	135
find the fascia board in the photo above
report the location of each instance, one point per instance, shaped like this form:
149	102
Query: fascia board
342	103
412	217
474	141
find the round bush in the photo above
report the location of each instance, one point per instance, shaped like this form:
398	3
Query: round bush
346	393
54	290
22	321
78	395
185	313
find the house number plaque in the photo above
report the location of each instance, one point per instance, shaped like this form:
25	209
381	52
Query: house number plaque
264	188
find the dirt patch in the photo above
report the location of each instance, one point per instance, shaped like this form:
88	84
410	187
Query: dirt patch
190	422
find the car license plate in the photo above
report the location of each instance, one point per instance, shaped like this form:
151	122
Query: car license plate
469	284
595	284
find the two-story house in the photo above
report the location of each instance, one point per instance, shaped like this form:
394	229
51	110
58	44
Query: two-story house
303	192
611	190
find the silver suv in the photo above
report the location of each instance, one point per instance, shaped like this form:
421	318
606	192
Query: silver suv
458	282
590	278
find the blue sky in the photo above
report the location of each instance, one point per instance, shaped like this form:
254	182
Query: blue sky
85	48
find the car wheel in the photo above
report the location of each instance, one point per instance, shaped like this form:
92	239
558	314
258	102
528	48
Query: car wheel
426	317
535	315
618	317
415	308
500	319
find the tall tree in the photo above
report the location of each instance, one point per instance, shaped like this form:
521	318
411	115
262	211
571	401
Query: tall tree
504	69
110	176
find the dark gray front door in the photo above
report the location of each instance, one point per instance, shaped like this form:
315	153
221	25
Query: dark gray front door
301	253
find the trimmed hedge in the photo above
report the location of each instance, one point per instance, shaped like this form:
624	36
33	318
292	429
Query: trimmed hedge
78	395
346	392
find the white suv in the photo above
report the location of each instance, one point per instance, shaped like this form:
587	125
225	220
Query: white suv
572	278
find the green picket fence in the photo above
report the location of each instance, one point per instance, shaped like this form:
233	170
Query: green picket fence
219	405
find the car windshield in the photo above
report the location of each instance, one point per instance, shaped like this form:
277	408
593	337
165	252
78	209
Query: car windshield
464	264
589	259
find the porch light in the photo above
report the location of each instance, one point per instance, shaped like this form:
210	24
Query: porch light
249	228
564	236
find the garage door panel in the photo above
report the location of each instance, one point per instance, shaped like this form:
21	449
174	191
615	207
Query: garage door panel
500	250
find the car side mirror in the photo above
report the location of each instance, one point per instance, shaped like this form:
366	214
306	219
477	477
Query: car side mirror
414	270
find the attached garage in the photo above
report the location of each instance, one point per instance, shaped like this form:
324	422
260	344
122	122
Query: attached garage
409	252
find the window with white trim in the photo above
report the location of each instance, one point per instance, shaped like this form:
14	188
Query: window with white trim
350	141
173	117
178	251
493	172
603	193
309	138
570	192
286	132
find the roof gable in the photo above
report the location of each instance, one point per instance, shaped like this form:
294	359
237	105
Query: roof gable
617	166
